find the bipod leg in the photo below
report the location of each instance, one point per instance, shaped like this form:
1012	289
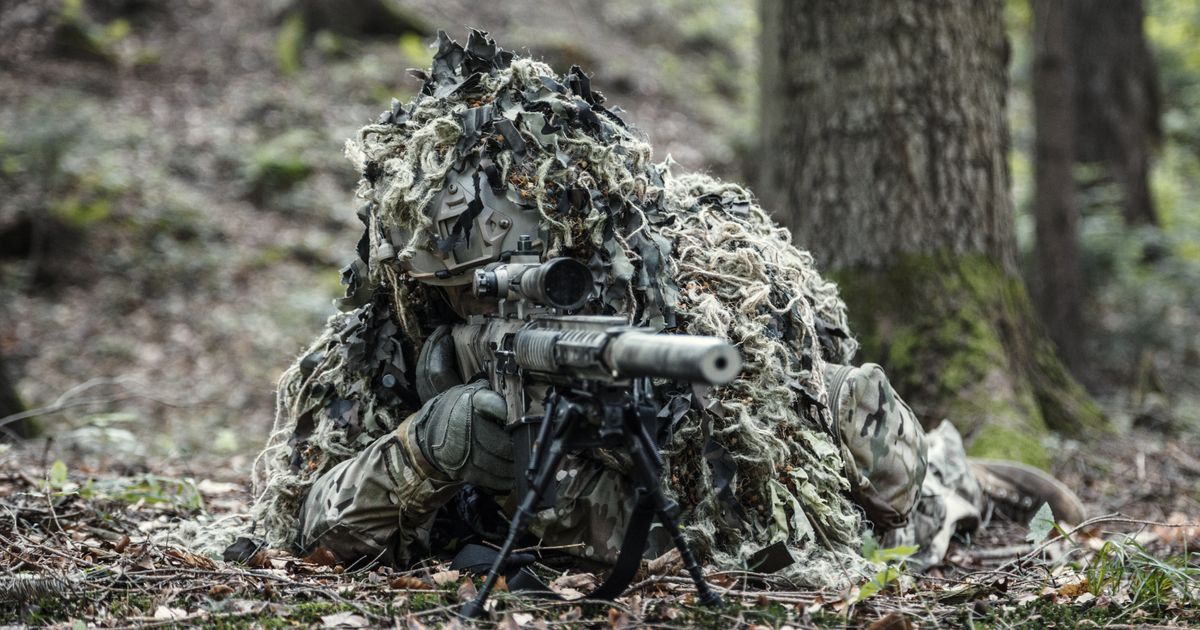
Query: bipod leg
520	521
645	459
666	515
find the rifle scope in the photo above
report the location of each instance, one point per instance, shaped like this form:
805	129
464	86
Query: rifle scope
560	283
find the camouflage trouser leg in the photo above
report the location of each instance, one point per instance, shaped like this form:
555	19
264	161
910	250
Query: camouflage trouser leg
950	501
378	505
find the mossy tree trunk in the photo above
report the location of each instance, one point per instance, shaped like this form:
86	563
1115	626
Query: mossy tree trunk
885	151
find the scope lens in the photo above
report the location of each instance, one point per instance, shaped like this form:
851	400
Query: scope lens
565	283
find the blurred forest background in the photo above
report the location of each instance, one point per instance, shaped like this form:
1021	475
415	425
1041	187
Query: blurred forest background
174	205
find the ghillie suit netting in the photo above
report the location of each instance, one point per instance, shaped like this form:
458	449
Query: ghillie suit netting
677	252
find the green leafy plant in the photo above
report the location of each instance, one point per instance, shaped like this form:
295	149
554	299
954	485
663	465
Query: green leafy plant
289	44
82	35
58	474
893	560
279	164
149	489
1126	566
1041	525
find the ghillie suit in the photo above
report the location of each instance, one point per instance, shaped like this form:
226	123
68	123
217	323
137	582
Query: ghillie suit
677	252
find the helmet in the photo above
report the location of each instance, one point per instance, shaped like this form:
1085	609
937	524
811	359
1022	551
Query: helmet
471	226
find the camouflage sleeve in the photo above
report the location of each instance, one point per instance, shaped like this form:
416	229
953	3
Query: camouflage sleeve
378	505
883	444
950	501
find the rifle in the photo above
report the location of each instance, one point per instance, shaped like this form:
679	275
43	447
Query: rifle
578	382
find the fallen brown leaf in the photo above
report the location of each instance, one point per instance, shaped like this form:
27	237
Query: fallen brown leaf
121	544
1073	590
573	585
321	556
220	591
891	621
191	560
670	563
721	580
467	590
408	582
259	560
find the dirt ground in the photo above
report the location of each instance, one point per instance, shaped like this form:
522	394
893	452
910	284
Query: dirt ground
194	210
92	544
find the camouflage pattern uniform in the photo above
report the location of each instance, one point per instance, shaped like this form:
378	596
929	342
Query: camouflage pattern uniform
381	504
378	504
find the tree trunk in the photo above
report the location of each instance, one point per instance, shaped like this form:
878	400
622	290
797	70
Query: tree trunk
10	404
885	151
1116	97
1058	277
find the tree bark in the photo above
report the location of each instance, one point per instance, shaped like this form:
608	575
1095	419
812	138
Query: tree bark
1117	100
10	403
1058	278
884	150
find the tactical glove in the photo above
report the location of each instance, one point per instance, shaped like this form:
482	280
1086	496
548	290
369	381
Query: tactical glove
461	432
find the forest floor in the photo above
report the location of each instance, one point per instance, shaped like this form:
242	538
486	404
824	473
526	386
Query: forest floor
89	547
172	176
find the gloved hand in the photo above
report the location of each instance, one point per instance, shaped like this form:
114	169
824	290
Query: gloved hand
461	432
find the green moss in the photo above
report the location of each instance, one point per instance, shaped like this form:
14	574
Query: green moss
957	337
279	164
311	612
998	442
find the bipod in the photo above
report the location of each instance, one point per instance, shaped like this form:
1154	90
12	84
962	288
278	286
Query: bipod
622	425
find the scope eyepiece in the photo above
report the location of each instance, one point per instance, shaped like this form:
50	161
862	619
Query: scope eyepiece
486	284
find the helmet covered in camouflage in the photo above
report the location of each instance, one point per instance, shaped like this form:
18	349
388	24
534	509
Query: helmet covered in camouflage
495	148
470	225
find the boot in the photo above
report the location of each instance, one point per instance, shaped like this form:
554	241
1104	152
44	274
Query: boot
1017	491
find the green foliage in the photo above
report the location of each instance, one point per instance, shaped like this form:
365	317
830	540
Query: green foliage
1040	525
893	560
77	33
280	163
89	200
58	474
1127	567
146	489
289	44
416	50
